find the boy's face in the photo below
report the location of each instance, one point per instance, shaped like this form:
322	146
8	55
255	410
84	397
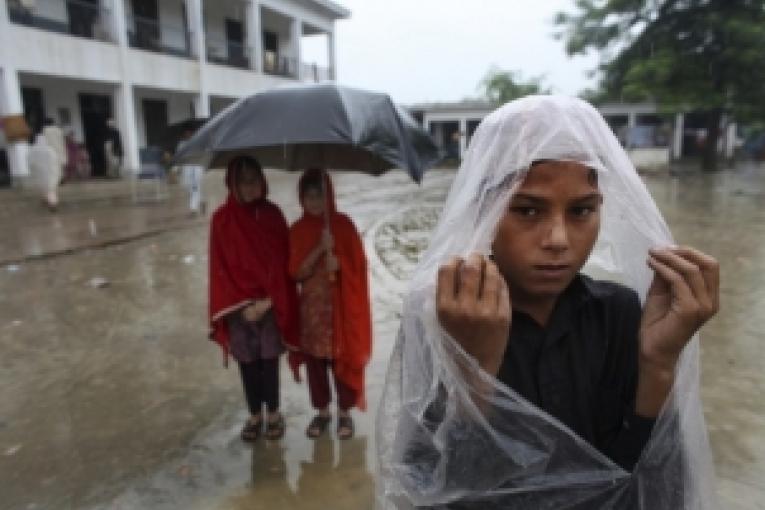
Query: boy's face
249	185
548	229
313	201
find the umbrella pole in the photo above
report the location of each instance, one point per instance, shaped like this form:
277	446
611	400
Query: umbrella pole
325	197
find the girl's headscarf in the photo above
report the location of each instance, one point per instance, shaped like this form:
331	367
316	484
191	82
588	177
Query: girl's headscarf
249	254
352	320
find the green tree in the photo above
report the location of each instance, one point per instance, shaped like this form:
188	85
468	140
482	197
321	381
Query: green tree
703	55
499	86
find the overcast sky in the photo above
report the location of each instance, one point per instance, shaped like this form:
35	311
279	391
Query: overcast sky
439	50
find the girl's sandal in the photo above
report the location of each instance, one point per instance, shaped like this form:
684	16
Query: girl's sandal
344	427
251	430
317	426
275	429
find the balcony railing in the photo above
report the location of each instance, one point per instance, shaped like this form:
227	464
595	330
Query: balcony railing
229	53
151	35
315	72
73	17
278	65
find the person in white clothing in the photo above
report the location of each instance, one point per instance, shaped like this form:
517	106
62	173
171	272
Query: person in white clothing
191	178
46	168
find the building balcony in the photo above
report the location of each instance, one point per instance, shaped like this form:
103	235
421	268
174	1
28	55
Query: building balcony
151	35
279	65
227	52
316	73
80	18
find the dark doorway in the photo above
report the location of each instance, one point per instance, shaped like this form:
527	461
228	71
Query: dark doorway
155	121
446	135
235	42
34	109
694	134
270	41
146	18
270	52
95	109
82	16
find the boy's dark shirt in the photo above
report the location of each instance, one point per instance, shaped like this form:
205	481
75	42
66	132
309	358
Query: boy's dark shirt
582	368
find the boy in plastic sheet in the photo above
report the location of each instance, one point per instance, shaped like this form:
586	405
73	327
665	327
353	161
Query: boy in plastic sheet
548	355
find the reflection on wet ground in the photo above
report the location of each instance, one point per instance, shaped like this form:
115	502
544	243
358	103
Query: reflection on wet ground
112	397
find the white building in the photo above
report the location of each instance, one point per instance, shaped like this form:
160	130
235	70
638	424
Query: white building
452	124
150	63
652	137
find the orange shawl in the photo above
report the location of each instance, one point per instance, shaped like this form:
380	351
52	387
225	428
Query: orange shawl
352	321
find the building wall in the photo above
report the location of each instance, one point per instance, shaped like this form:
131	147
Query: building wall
157	70
58	94
179	107
49	53
231	82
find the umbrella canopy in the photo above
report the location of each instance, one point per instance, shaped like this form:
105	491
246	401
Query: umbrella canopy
323	125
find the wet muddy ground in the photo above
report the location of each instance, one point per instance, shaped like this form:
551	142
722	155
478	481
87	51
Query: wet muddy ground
112	397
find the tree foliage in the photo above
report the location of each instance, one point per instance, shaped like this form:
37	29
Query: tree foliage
499	86
704	55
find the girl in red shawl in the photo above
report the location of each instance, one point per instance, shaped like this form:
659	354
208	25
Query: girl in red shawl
253	300
327	259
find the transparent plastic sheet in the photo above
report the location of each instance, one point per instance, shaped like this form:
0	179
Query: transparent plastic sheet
445	443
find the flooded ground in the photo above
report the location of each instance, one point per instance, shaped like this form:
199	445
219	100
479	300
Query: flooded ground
111	397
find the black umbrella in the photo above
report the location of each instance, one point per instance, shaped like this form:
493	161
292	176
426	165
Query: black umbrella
174	132
324	125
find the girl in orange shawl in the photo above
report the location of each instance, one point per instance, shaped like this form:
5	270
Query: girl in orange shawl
253	299
327	259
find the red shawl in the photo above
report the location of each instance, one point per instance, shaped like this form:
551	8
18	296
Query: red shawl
352	321
249	253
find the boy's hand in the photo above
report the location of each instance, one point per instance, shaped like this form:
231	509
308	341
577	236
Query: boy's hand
473	306
685	293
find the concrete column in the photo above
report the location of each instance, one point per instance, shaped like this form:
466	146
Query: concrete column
331	55
202	106
195	21
11	104
677	145
296	34
124	100
119	22
199	49
631	119
254	35
3	14
730	139
463	136
126	120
